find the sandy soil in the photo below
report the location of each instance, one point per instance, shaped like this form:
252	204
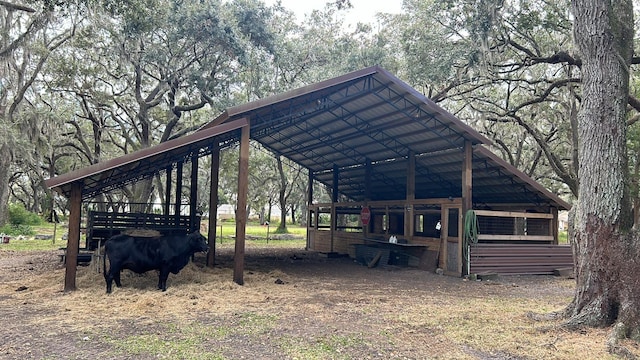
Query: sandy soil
294	305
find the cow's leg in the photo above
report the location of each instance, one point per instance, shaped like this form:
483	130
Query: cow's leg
108	277
162	279
116	277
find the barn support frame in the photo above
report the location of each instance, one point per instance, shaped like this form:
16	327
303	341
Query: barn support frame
467	202
213	203
73	242
241	217
193	194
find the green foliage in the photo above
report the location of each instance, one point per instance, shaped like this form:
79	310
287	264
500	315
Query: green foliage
563	237
18	215
17	229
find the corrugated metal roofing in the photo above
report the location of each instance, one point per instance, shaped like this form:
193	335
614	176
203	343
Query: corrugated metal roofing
370	116
364	117
142	164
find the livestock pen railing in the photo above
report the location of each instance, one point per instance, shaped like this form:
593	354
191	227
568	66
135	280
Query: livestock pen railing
511	243
516	227
101	225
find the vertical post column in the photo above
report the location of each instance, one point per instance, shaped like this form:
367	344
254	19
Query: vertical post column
213	203
176	212
334	200
309	203
241	218
367	196
167	194
467	203
409	219
193	194
554	225
73	242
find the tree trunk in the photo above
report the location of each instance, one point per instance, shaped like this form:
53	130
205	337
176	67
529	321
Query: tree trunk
293	213
282	197
5	173
606	248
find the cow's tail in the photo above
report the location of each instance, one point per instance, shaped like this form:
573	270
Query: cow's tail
104	261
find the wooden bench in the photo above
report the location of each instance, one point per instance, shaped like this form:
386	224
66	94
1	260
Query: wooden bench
400	253
83	256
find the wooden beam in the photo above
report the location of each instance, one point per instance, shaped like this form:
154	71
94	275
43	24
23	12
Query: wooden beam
467	196
73	241
444	237
193	193
515	237
514	214
554	225
241	218
176	211
167	194
384	203
336	179
467	177
368	170
213	203
309	204
409	221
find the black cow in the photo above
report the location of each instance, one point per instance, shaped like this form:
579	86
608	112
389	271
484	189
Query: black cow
165	253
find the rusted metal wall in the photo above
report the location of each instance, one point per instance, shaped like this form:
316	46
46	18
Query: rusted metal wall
519	259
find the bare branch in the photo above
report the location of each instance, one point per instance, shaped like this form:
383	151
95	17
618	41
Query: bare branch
17	7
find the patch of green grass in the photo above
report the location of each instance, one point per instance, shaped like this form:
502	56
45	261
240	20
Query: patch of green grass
327	347
188	341
29	243
253	323
258	234
176	343
32	245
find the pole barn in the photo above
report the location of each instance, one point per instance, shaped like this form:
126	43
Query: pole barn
425	177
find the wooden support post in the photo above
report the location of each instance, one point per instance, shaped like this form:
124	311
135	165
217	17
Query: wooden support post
444	237
213	203
167	196
193	194
241	218
73	241
336	179
178	203
467	203
367	194
367	179
309	203
334	200
554	225
409	219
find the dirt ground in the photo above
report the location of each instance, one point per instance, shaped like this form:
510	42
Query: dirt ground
294	305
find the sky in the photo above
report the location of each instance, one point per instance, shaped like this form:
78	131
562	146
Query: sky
362	11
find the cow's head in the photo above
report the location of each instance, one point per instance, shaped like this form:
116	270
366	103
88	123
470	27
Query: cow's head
197	242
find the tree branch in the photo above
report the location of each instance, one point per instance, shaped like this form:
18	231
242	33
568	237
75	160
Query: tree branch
18	7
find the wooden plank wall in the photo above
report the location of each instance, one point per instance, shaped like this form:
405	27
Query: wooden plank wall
520	259
322	241
343	242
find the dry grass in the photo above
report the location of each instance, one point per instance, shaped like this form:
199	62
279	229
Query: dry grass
324	309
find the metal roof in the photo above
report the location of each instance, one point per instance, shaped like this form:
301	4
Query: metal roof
364	117
372	117
142	164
